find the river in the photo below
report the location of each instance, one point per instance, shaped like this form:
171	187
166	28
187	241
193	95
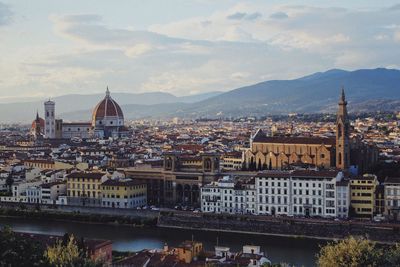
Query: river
125	238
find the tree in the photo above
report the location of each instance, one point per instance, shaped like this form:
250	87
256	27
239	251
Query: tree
68	254
358	252
9	182
16	250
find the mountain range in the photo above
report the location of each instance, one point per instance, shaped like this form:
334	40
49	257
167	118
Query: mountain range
366	90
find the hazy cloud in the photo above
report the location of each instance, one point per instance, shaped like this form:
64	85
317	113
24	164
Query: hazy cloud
237	16
5	14
279	15
243	44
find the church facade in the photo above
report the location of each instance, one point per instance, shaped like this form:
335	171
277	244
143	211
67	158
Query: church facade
107	121
340	152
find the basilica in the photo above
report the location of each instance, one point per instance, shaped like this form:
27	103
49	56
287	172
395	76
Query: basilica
107	122
341	151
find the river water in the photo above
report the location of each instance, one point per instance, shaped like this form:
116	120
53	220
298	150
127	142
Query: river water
278	249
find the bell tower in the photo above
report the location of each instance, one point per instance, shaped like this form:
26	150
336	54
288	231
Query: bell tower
49	118
342	135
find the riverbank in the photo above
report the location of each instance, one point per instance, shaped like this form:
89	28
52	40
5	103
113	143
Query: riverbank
56	215
283	227
249	225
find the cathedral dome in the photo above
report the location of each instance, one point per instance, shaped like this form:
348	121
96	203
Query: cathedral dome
37	122
107	109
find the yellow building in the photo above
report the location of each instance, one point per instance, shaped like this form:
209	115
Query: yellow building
123	193
232	161
54	165
363	195
189	250
84	188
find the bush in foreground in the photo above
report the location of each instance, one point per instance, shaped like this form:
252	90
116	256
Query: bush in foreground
358	252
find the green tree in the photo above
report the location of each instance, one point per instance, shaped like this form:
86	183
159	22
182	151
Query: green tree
358	252
9	182
17	250
68	254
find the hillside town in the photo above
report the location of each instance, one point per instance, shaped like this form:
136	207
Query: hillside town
336	169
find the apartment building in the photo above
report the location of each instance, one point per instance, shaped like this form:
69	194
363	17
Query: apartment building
363	195
298	193
228	196
84	188
392	197
292	193
123	193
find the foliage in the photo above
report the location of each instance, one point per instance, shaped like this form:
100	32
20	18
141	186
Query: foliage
9	182
66	253
13	246
358	252
21	250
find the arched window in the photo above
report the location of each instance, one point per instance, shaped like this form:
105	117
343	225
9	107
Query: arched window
340	158
339	129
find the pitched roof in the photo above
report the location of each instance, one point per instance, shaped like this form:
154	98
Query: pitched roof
258	138
90	175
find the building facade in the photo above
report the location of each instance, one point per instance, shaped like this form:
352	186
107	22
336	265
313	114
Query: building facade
392	198
362	198
180	179
290	193
84	188
123	193
226	196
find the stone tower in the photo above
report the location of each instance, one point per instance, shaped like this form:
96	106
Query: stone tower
38	130
342	135
50	119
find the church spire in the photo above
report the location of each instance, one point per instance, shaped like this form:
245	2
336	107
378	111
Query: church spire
342	134
342	97
37	115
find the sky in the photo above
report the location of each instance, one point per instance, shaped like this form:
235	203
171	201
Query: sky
55	47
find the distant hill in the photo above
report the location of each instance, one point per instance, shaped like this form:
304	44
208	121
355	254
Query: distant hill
82	105
366	90
318	92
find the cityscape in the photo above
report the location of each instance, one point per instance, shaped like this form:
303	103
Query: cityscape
222	163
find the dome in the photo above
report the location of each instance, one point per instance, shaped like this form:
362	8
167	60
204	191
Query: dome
37	121
107	112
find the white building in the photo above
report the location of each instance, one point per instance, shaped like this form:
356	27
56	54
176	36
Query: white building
19	188
343	198
298	193
226	196
50	192
33	194
392	197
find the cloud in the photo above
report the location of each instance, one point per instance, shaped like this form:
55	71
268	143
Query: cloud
279	15
138	50
5	14
236	16
243	15
243	44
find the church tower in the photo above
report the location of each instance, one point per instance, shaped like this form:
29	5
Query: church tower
50	119
342	135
